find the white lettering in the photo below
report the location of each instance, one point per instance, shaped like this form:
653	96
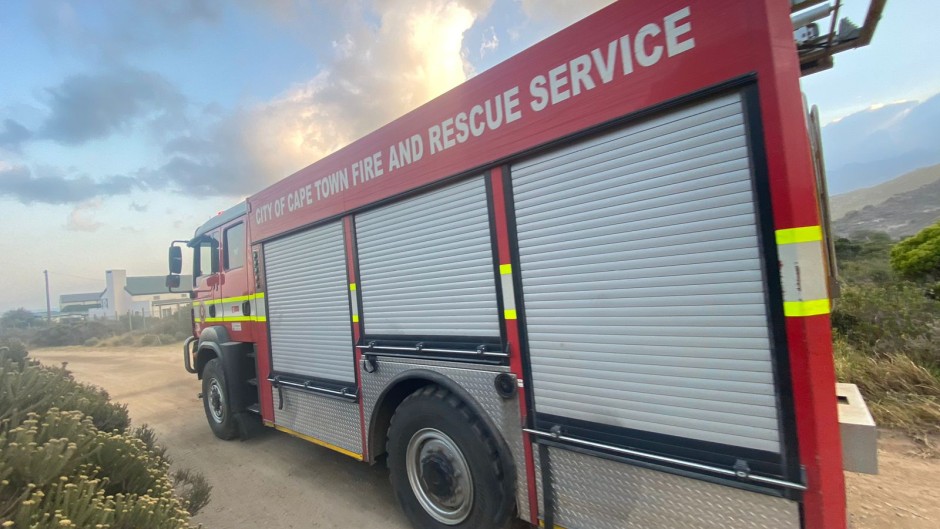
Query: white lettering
605	67
494	113
647	59
475	112
463	129
539	92
580	74
393	158
511	102
557	80
673	32
626	55
447	133
434	136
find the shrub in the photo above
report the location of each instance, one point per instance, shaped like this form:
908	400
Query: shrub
149	340
886	320
63	465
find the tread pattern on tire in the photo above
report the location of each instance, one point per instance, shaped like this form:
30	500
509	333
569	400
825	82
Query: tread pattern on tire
469	418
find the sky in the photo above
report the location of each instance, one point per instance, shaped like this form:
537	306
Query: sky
124	124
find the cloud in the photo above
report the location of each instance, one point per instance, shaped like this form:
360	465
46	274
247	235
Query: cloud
82	217
388	62
50	186
115	29
490	42
563	12
140	208
12	135
85	107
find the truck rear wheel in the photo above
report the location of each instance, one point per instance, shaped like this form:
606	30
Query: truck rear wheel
445	468
215	400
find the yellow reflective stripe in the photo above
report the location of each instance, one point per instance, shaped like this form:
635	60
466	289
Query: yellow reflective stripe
798	235
505	269
235	299
230	318
814	307
355	318
352	286
509	314
357	457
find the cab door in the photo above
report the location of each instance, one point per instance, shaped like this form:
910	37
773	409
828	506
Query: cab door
206	279
234	302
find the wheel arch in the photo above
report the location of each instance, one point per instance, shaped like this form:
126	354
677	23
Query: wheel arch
408	382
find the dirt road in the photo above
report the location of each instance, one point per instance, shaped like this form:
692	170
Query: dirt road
275	480
272	480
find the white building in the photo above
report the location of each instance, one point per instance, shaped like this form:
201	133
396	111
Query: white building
79	303
141	296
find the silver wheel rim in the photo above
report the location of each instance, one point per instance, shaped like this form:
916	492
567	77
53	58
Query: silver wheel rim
216	401
439	476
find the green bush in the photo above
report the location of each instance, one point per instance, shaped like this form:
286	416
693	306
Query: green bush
885	320
67	458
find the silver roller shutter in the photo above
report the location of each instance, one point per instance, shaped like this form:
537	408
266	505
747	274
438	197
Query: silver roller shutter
426	265
642	280
308	304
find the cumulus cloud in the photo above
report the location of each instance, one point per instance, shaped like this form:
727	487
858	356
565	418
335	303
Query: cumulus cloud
140	208
380	70
51	186
84	107
82	217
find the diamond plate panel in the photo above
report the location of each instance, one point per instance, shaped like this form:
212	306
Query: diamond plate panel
330	420
595	493
477	380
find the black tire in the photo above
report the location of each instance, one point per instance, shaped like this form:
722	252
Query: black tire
445	436
216	401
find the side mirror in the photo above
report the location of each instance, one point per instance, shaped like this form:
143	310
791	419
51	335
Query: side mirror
176	261
172	281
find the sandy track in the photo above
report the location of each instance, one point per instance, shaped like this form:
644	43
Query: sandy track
274	480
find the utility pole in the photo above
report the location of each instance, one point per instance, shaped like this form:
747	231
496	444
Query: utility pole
48	304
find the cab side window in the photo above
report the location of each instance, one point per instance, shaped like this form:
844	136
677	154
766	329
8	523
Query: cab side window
234	245
206	258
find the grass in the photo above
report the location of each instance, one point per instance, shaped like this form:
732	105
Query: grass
900	393
886	338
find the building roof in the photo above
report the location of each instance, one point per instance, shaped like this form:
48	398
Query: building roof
79	298
138	286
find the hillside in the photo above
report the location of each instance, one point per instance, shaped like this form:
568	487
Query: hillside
840	205
898	214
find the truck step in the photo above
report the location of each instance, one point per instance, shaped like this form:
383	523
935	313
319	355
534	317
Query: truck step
254	408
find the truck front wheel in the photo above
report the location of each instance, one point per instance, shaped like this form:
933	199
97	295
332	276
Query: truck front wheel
216	401
445	468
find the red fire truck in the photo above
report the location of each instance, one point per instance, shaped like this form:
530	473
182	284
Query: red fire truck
587	288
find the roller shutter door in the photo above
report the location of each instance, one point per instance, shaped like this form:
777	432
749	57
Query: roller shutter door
642	279
426	265
308	304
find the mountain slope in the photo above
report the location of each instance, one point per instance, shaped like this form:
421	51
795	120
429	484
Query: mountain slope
841	205
900	215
